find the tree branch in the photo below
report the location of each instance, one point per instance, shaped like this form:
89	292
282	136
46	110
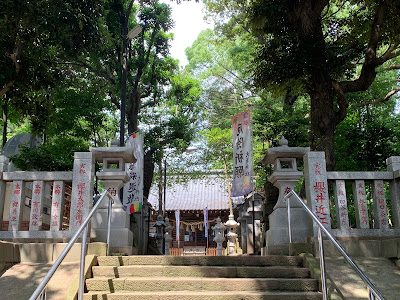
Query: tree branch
9	85
90	68
368	73
342	103
384	99
392	67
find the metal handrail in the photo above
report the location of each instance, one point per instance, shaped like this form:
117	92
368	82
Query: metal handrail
83	228
373	292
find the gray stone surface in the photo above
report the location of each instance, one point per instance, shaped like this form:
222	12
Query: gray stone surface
3	168
395	199
57	206
383	273
298	218
35	252
16	204
82	189
393	163
342	212
126	153
100	218
359	175
379	204
42	175
20	281
317	187
36	216
360	204
119	237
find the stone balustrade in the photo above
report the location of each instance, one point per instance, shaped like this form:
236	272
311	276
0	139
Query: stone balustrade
32	203
354	204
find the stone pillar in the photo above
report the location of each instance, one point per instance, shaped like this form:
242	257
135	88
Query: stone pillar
252	218
36	217
316	183
249	229
113	177
145	228
17	202
82	189
219	235
393	165
231	236
3	168
57	204
243	228
285	177
168	236
380	209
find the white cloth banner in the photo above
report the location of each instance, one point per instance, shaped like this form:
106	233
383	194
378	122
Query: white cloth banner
242	183
177	213
133	189
205	212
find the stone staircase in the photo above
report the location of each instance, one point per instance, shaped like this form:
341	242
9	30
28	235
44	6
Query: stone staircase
201	277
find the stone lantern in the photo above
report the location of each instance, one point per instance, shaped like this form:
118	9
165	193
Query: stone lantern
231	224
168	235
219	235
113	177
285	177
159	225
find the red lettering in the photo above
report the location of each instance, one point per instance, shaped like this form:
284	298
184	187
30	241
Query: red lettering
37	189
319	187
320	198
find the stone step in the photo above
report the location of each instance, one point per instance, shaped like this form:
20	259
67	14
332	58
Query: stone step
243	260
199	284
231	295
201	271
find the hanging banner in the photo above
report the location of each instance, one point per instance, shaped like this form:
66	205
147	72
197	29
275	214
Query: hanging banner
205	212
133	189
242	154
177	212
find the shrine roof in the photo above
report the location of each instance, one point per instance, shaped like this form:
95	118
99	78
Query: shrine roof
195	194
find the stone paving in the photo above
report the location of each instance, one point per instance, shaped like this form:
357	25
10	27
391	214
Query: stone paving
20	281
382	272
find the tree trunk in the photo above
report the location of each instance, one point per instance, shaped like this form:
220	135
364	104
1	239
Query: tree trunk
133	112
5	120
323	117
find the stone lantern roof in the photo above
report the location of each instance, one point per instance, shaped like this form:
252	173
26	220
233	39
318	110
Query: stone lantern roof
284	151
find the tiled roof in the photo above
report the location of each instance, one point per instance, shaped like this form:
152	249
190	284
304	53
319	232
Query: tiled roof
196	194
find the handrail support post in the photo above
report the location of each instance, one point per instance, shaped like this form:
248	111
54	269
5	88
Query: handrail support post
109	225
322	264
82	264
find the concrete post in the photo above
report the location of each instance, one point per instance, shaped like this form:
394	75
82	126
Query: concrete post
219	235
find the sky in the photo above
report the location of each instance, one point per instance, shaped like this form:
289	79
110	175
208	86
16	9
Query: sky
189	23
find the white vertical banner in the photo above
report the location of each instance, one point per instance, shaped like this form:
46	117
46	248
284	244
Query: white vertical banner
205	212
177	213
242	154
133	189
